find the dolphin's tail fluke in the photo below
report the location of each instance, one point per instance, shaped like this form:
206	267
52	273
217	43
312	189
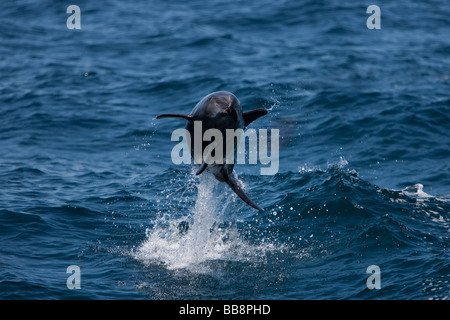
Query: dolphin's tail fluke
235	185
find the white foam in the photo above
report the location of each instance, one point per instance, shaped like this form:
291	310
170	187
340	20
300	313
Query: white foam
416	191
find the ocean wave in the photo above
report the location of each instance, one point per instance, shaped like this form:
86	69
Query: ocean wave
313	216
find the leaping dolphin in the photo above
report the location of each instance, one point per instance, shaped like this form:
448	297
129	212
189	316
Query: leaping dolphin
220	110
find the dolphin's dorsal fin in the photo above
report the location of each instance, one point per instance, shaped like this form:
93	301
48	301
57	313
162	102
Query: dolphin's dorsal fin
174	115
252	115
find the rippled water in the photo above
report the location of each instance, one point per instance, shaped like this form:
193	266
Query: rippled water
86	176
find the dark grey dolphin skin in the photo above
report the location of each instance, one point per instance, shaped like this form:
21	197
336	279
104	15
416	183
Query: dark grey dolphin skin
220	110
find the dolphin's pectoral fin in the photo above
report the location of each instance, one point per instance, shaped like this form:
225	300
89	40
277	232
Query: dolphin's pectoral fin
236	187
202	168
174	115
252	115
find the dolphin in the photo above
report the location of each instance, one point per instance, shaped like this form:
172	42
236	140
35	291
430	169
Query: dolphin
220	110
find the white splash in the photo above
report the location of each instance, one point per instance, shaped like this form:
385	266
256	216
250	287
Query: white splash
206	238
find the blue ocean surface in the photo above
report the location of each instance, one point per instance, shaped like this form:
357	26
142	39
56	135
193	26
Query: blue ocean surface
87	179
